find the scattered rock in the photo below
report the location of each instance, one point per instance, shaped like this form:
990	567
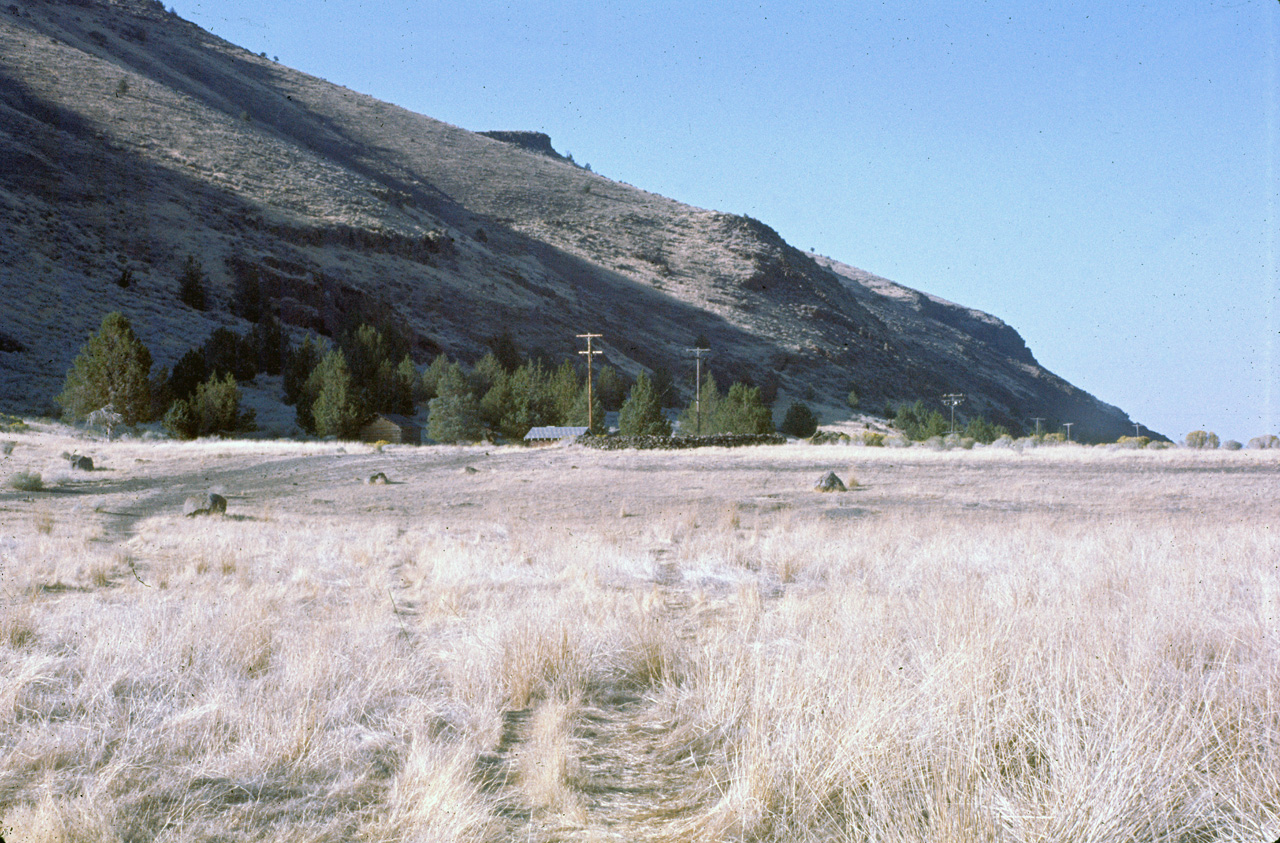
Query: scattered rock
80	463
471	469
206	504
378	479
830	483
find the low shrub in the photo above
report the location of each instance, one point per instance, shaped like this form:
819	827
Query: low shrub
872	439
1201	439
25	481
1264	443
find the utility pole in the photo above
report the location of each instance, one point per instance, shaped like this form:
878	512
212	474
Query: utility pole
1037	420
697	395
1067	425
1137	430
951	399
591	405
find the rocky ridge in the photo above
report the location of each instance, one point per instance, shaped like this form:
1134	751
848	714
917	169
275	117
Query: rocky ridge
130	138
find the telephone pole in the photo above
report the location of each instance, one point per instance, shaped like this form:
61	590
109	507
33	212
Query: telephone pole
1037	420
591	405
697	395
1137	430
1067	425
951	399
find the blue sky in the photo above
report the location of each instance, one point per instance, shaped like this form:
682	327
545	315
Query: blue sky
1102	176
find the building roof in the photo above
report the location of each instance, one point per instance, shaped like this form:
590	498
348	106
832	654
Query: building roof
555	432
396	419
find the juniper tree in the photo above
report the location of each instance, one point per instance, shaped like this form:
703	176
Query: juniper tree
191	284
111	368
641	413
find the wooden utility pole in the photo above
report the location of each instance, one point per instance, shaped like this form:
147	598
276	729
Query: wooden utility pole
697	395
1067	425
951	399
1037	420
591	404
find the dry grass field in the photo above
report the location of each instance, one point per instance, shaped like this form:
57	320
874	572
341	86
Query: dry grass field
1066	644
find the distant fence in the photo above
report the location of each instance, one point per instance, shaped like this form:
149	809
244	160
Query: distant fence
680	443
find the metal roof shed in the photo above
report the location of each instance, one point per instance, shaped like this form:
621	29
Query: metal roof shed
553	434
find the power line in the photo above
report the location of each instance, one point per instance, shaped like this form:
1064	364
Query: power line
697	395
590	353
952	399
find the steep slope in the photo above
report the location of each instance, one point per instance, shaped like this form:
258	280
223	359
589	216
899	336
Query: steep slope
130	138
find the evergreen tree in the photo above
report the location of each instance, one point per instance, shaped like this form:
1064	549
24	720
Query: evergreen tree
611	387
111	368
373	356
246	294
454	413
430	381
299	364
191	284
226	352
799	421
664	386
579	417
270	345
641	413
703	405
566	395
918	423
214	408
742	411
505	352
189	372
334	411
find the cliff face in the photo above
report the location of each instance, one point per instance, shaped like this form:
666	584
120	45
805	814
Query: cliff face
130	139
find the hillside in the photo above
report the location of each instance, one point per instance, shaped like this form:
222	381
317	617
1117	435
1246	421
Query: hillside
130	139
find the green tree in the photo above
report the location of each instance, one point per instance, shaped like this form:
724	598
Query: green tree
214	408
799	421
191	284
189	372
918	423
430	381
246	294
1202	439
299	364
111	368
981	430
641	413
454	412
704	405
373	356
225	352
853	399
742	411
567	395
611	387
505	351
579	417
664	386
270	344
334	411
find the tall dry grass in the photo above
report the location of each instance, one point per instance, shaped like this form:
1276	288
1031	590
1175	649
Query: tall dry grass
722	672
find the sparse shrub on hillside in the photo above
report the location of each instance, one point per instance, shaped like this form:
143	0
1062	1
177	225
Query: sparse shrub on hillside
1202	439
799	421
125	279
191	284
873	439
919	424
1266	442
641	413
853	399
113	367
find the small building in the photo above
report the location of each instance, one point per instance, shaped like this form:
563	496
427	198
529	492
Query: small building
544	435
389	427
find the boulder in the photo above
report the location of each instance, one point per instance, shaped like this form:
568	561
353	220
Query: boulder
830	483
206	504
81	463
378	479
